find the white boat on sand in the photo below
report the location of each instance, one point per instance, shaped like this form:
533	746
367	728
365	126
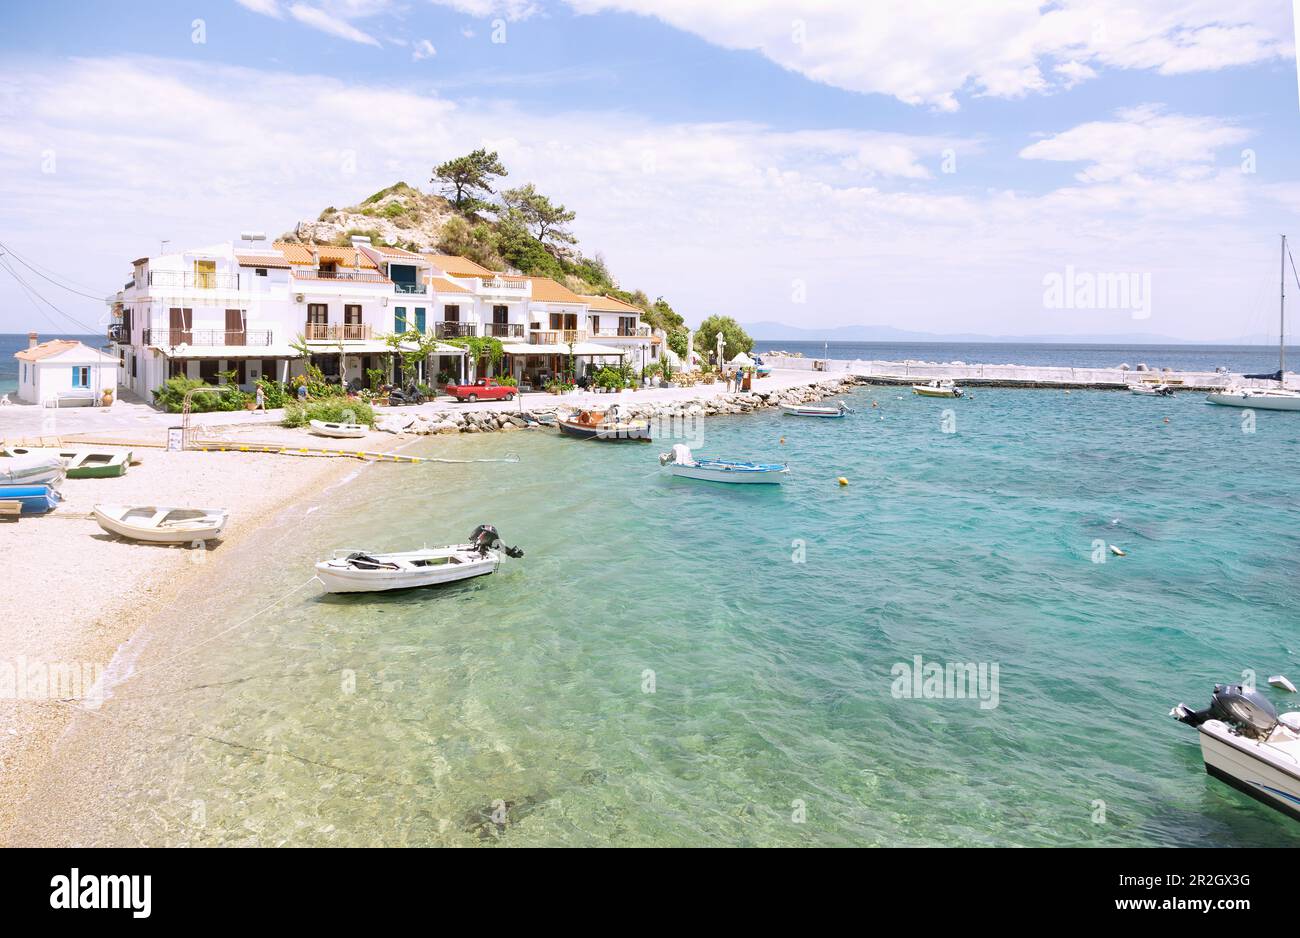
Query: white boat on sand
814	410
943	388
32	469
681	463
1246	744
359	571
159	525
339	430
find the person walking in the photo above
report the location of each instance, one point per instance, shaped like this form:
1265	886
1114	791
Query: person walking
260	395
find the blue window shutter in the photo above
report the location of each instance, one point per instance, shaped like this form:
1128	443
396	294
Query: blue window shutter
399	319
419	319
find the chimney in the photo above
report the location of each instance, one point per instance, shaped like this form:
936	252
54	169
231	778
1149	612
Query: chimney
315	257
32	339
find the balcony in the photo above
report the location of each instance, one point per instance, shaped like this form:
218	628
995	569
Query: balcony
557	337
454	330
504	330
168	338
504	285
420	289
621	333
347	274
335	331
184	280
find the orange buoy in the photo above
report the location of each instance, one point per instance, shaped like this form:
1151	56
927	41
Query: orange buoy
842	481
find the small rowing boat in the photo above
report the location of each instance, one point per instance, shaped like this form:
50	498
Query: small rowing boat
359	571
161	525
35	499
1152	390
814	410
598	425
943	388
681	463
338	430
32	469
82	464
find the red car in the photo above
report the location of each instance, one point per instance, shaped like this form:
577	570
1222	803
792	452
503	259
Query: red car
484	389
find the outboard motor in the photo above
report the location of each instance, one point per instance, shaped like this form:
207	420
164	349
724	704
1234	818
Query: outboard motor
485	538
1247	710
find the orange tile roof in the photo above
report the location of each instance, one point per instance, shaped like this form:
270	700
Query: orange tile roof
400	253
344	257
456	265
261	260
547	290
46	349
610	304
443	285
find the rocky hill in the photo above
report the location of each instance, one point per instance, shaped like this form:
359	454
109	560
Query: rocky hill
400	215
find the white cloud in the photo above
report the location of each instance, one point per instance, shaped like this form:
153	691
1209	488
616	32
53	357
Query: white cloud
326	22
718	217
423	50
265	7
1141	141
929	51
512	10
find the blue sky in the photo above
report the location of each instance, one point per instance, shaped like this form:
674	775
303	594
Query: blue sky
768	159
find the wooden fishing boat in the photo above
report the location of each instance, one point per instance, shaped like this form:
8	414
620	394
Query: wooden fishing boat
815	410
681	463
599	425
34	499
83	464
359	571
32	469
340	430
158	525
937	389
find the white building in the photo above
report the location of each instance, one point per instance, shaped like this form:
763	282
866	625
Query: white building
62	372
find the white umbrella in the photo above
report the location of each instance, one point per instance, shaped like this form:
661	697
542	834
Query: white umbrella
743	361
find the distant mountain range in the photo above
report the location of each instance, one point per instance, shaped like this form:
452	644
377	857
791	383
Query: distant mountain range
778	331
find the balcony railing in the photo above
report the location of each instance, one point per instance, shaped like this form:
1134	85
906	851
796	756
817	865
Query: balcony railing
504	283
354	276
417	288
335	331
454	330
504	330
622	333
166	338
184	280
557	337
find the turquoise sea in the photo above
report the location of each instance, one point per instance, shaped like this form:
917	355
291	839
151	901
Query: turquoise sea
411	719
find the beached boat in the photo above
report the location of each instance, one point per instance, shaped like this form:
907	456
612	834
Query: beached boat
681	463
1278	398
1152	390
359	571
161	525
1247	745
937	389
341	430
82	464
814	410
599	425
34	499
32	469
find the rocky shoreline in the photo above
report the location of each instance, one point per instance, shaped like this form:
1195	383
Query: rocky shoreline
499	421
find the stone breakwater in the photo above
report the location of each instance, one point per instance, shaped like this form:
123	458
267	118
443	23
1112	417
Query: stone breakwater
502	421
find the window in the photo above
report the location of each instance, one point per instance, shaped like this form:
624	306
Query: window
451	313
80	376
627	325
261	271
419	319
352	315
318	313
133	374
500	314
399	319
208	370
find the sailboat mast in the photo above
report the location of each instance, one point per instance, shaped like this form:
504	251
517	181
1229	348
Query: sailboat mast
1281	327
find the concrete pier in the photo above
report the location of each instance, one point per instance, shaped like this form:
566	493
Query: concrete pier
1021	376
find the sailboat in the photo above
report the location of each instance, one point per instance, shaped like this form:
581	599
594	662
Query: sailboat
1278	398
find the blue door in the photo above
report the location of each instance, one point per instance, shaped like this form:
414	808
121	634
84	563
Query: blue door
419	319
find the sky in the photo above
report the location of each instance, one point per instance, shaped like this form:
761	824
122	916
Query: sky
923	164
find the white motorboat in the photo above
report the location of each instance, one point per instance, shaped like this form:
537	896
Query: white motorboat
339	430
159	525
1278	398
1247	745
681	463
32	469
943	388
358	571
1152	390
814	410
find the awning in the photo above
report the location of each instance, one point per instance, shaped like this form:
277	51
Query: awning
584	349
374	347
229	351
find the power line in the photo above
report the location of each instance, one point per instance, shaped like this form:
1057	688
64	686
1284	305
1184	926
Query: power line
34	292
10	251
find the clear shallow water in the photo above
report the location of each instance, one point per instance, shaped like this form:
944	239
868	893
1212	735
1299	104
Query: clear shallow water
772	678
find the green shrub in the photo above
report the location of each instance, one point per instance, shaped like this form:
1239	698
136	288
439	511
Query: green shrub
331	411
507	381
171	396
277	394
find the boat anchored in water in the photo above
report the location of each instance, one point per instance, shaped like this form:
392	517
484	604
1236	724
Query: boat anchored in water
944	388
359	571
607	426
1278	398
681	463
1247	745
1152	390
814	410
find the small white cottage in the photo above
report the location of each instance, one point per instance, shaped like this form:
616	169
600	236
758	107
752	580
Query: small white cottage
64	372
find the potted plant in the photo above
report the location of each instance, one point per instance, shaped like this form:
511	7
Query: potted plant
106	398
